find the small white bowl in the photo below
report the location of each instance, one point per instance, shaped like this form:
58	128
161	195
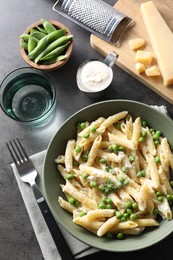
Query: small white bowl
95	76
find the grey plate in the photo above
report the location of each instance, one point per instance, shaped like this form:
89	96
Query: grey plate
51	178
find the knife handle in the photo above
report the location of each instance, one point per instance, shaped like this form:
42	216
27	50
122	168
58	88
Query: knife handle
55	231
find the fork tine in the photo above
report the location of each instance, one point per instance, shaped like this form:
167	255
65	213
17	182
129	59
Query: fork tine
21	150
11	152
17	151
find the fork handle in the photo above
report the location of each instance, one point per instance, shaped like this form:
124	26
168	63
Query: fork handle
55	231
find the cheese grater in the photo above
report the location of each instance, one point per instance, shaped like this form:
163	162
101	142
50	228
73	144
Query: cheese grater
95	16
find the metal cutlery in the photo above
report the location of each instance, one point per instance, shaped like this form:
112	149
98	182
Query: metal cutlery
28	174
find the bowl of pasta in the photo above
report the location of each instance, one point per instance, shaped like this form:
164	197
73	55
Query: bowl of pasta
108	180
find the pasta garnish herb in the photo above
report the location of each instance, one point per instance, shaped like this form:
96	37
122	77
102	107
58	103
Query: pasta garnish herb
117	172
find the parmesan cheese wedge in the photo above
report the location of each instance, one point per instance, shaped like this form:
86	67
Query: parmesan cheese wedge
161	39
152	71
136	43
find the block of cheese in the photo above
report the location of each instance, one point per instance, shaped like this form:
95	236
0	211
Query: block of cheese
144	57
152	71
161	38
136	43
140	67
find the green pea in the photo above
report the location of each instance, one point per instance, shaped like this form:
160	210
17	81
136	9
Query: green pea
84	175
169	197
117	125
110	148
118	214
83	125
71	200
76	204
131	158
101	187
141	139
86	135
93	184
141	174
120	148
120	235
156	142
135	205
69	176
128	205
158	193
144	123
75	163
157	159
102	160
82	213
108	206
122	219
78	149
85	157
144	133
93	129
109	235
101	205
158	133
160	198
155	211
124	168
156	137
133	216
109	200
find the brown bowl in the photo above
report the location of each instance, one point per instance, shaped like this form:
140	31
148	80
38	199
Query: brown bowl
52	66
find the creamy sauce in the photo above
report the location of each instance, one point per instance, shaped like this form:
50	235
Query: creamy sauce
95	76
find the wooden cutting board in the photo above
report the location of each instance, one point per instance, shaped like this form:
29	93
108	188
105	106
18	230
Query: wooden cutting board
126	59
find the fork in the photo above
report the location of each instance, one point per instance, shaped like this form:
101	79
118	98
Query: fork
28	174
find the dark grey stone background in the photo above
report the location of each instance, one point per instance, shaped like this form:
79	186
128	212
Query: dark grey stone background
17	239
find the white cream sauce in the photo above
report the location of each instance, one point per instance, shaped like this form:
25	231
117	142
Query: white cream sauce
95	76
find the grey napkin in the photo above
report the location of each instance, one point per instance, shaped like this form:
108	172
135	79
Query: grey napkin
43	235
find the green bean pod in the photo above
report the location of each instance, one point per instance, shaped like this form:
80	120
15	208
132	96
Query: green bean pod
48	26
60	41
38	49
54	60
38	35
25	37
55	52
24	44
41	29
43	43
31	44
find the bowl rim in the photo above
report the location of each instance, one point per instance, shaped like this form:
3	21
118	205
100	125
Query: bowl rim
80	235
52	66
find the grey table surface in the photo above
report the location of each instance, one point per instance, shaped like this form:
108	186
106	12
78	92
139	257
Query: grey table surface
17	239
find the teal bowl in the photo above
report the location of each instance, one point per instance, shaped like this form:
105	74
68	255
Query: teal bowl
51	178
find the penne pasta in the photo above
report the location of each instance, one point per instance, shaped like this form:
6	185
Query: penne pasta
114	182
